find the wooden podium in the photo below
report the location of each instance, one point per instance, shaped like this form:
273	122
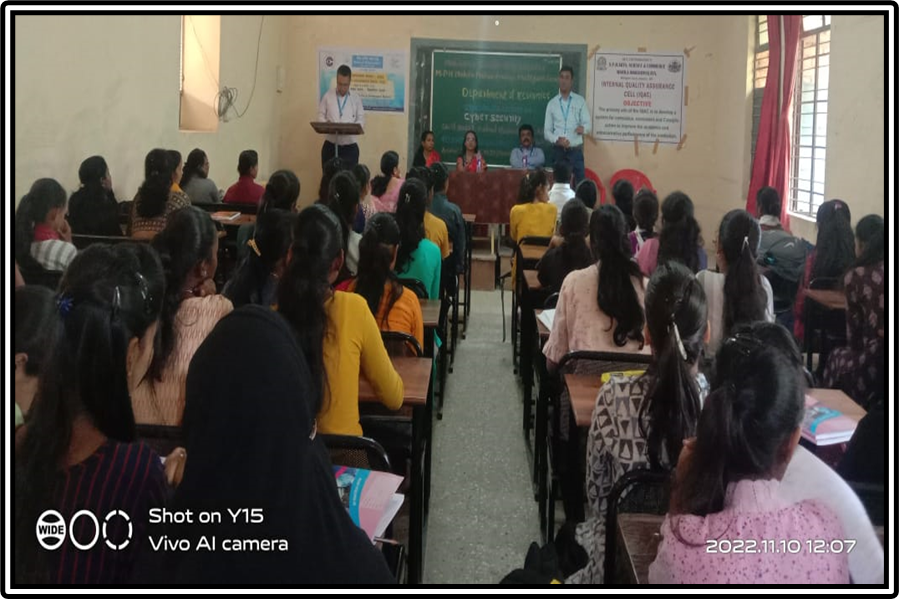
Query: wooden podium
338	129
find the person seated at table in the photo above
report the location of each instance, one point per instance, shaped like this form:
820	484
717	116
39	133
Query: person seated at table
246	190
680	238
195	179
587	193
858	366
94	209
727	485
417	258
385	188
343	200
43	239
651	413
829	259
155	200
336	331
188	248
78	451
561	190
470	159
573	253
623	195
36	320
533	214
366	201
281	193
395	307
426	155
435	228
738	293
256	279
450	214
646	213
526	155
295	490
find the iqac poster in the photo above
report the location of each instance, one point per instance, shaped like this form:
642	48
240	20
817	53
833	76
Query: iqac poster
638	95
379	76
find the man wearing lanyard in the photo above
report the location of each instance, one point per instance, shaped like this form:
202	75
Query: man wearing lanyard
341	106
567	121
526	155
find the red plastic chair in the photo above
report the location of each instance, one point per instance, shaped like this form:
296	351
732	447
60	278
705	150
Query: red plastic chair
637	179
599	186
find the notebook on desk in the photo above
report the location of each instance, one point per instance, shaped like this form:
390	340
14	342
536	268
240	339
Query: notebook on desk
224	215
825	426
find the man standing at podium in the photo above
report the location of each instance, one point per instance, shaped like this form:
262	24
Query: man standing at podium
567	122
341	106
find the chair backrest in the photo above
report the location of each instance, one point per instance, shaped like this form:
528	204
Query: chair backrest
417	287
125	212
401	344
637	179
356	452
163	439
601	362
599	186
641	491
42	277
82	241
872	496
550	302
784	291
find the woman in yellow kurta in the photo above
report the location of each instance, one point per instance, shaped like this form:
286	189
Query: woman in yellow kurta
336	330
532	216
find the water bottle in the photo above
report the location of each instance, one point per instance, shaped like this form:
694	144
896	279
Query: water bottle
524	160
479	163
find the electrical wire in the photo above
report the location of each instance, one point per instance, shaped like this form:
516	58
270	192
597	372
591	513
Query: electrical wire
225	99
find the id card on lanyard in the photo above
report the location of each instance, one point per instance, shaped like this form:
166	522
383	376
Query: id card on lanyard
341	106
566	109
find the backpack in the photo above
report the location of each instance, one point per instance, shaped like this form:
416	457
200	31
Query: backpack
783	254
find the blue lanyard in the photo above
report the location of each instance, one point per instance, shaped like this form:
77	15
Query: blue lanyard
340	106
565	110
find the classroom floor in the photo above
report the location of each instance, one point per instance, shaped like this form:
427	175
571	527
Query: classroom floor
483	515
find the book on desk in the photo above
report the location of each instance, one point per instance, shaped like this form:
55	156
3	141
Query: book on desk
224	215
370	497
825	426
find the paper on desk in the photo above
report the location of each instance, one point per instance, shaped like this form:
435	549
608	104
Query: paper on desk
547	317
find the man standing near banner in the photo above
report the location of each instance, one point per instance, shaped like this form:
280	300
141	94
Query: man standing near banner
341	106
567	122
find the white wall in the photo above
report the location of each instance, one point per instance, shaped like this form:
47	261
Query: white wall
108	85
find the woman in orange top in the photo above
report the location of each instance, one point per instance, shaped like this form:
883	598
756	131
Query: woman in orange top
395	307
336	330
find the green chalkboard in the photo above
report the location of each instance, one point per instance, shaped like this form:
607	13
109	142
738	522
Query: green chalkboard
491	93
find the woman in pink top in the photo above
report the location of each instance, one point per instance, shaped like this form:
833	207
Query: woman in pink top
188	247
385	188
728	521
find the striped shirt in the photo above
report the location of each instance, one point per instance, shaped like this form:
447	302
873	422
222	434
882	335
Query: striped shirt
53	254
118	476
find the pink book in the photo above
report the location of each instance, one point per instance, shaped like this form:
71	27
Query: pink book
825	426
369	497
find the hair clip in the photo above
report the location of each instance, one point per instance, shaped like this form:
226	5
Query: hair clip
64	304
254	247
745	241
407	198
680	344
336	195
116	301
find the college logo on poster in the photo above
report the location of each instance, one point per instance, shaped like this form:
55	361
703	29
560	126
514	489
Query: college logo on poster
674	66
601	63
329	61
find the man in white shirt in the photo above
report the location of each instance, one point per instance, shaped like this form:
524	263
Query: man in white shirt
527	155
561	191
567	122
341	106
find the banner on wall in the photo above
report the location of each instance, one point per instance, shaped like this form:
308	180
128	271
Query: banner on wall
638	95
379	76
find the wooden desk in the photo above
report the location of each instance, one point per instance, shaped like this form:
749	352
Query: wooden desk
243	219
638	542
416	375
819	306
828	298
466	276
430	312
532	281
837	400
532	253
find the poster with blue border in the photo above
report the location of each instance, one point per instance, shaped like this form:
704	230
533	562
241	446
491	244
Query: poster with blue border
379	76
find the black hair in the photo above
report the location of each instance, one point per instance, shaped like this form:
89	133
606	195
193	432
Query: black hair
109	295
525	128
745	298
92	171
344	71
587	192
567	68
670	410
767	200
93	209
381	237
420	158
343	200
562	172
281	192
462	153
44	196
423	174
623	193
869	233
616	295
175	159
362	175
305	286
531	181
246	161
439	175
272	239
389	161
35	314
646	212
332	167
747	419
574	226
835	249
193	166
410	215
188	239
154	192
680	236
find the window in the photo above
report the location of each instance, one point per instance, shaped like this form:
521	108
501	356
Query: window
199	72
809	118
